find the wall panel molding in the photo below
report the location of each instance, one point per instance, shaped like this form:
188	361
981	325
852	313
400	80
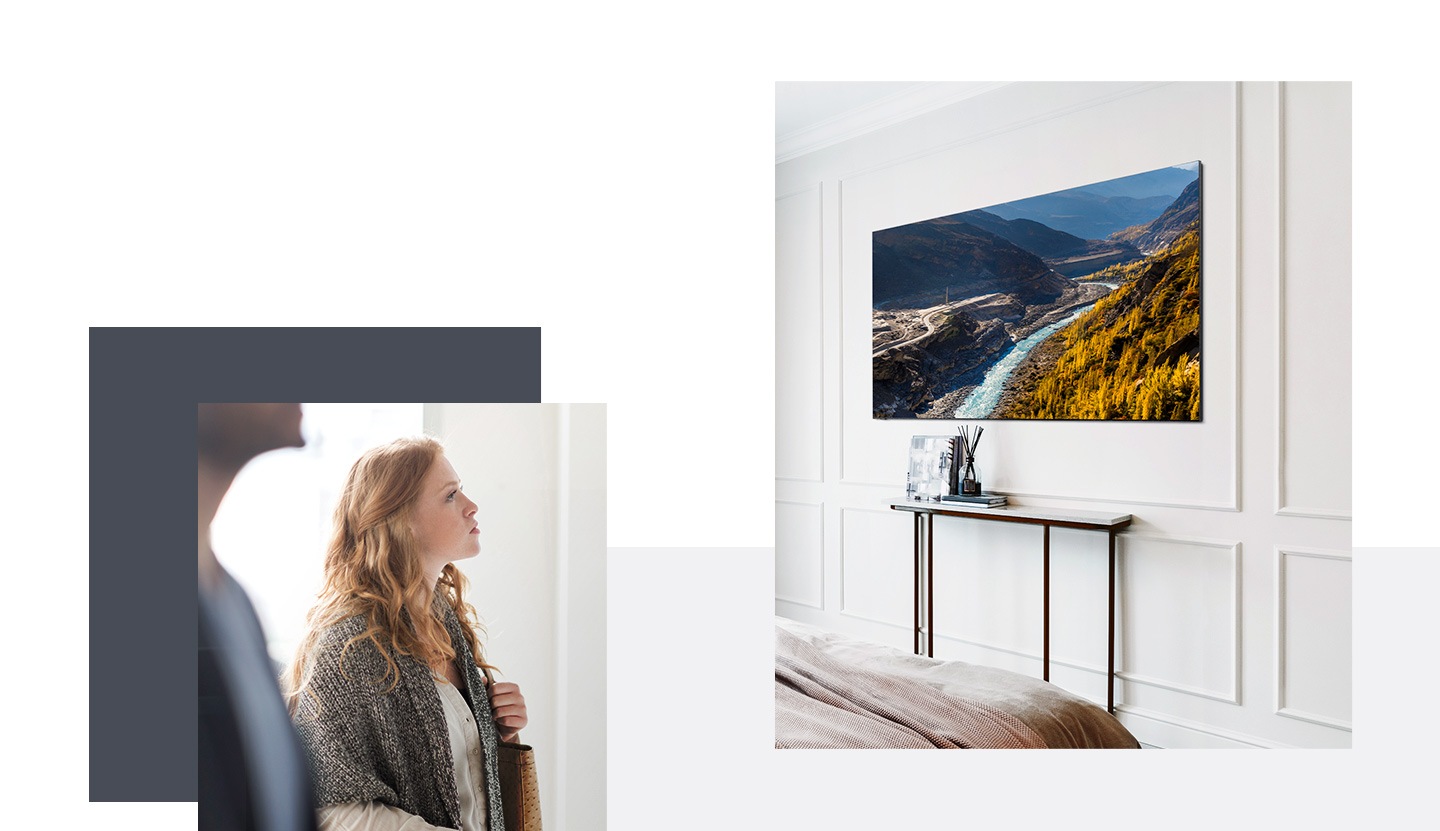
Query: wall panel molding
818	600
1233	642
1164	730
869	619
845	609
817	189
1315	513
810	188
839	345
1282	276
1236	421
1282	675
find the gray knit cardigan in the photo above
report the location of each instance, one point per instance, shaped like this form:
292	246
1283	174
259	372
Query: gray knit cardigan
366	744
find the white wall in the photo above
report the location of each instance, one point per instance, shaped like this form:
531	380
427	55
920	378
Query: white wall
537	473
581	766
1235	578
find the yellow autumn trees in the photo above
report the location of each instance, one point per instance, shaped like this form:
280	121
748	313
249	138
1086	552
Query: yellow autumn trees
1135	355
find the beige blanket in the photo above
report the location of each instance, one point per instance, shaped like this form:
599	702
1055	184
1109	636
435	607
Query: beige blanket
832	691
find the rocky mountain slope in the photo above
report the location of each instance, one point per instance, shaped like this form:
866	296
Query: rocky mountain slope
915	264
1168	226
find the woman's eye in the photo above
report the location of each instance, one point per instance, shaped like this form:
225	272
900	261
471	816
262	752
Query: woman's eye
451	497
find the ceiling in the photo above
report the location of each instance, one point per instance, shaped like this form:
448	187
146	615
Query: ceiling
814	114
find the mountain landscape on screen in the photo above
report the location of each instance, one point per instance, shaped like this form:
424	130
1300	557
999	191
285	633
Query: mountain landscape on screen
1078	304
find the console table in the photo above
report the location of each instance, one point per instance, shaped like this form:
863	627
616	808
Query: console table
1047	518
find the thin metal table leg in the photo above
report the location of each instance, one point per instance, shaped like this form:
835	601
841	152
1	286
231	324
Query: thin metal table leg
915	562
930	587
1110	679
1047	602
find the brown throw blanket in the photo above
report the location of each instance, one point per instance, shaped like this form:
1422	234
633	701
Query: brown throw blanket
836	692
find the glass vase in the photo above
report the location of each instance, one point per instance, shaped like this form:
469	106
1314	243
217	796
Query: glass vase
970	482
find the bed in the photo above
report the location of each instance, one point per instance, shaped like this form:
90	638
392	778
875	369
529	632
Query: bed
834	691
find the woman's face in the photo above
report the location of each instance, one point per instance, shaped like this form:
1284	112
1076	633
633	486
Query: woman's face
444	519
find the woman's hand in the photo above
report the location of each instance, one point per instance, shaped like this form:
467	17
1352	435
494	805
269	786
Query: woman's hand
509	707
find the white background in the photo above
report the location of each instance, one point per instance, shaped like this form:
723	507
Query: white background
606	172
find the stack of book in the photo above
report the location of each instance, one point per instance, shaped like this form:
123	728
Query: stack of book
983	500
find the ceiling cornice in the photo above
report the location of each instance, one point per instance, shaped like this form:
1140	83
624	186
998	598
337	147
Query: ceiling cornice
887	111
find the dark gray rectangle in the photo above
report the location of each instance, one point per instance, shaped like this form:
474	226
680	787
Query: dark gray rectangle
144	385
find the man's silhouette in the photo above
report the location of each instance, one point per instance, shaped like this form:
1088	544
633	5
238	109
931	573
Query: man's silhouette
253	772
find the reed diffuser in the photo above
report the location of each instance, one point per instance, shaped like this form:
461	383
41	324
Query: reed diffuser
970	480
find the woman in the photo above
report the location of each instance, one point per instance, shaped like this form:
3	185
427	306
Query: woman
387	689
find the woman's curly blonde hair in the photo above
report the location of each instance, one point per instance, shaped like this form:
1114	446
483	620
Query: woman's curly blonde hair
373	568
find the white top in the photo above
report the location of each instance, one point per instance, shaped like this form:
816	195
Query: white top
469	758
1017	511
